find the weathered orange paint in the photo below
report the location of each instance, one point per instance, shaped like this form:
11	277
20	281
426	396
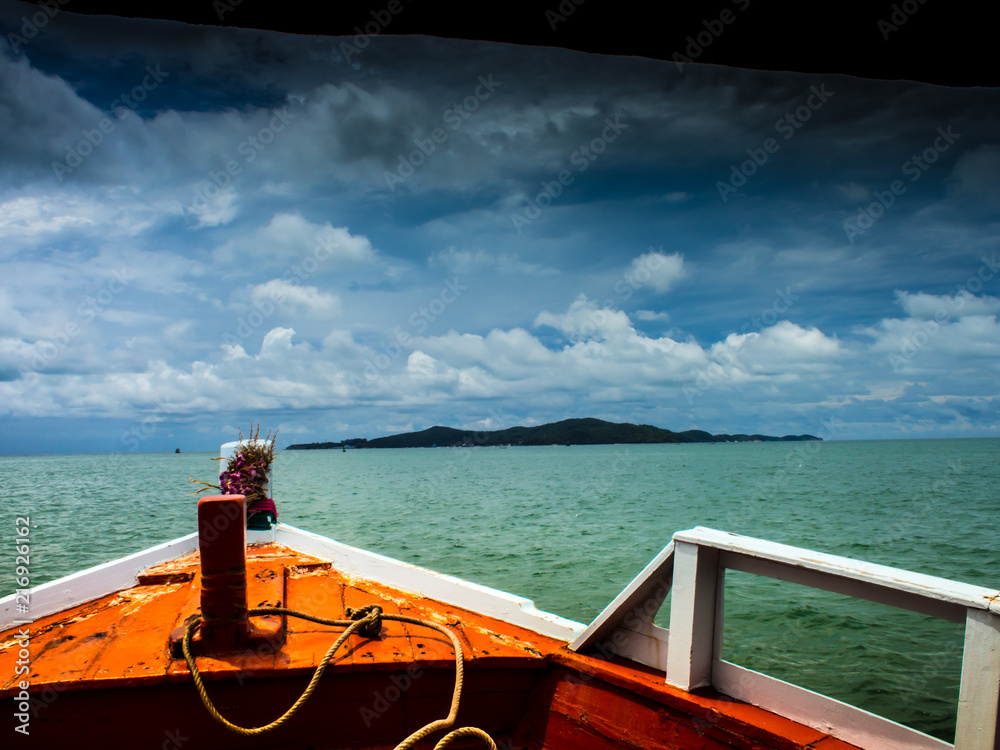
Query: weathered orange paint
703	704
222	543
105	669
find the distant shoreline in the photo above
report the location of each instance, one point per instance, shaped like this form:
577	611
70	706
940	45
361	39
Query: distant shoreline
567	432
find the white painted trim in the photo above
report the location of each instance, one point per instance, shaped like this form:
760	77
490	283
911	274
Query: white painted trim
117	575
651	586
693	603
93	583
922	585
259	536
693	616
360	563
649	648
979	694
882	592
841	720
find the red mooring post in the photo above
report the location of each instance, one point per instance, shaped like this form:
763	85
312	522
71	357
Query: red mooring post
222	543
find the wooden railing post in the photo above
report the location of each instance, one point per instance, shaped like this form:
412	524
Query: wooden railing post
693	612
979	695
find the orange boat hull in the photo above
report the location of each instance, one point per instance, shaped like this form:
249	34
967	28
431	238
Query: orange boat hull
104	670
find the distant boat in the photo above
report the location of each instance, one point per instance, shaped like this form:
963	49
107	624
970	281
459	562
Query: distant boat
177	451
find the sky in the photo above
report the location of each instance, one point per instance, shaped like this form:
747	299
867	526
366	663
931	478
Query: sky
338	237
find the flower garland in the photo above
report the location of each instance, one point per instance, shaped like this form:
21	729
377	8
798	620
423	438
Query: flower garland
246	472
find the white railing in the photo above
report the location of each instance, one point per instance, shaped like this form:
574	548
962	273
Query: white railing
694	564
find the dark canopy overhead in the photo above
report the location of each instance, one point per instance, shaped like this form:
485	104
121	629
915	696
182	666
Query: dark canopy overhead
936	42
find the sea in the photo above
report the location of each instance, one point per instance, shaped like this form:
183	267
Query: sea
570	526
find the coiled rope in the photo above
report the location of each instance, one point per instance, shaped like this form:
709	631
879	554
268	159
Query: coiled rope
368	621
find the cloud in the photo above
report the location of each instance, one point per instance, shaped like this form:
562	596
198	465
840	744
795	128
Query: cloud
471	261
38	215
852	192
42	217
586	320
946	306
296	298
677	196
212	211
289	236
977	172
784	349
650	315
12	322
39	115
929	345
657	271
523	337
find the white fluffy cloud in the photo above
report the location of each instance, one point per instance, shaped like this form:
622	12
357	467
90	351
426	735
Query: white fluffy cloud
611	361
37	215
289	236
307	299
784	349
946	306
586	320
923	344
657	271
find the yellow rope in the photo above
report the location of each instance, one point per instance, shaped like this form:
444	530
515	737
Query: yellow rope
368	620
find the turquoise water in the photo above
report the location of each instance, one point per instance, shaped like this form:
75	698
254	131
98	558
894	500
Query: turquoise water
570	526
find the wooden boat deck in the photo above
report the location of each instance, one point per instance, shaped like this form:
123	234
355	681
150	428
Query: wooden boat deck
103	669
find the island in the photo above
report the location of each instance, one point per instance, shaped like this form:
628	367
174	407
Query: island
567	432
